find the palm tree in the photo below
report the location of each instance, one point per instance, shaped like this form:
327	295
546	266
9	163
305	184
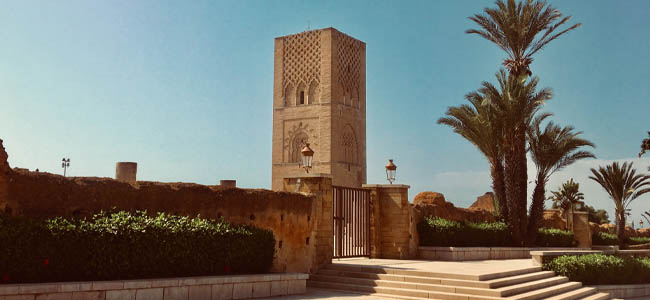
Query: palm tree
514	27
645	146
478	124
552	149
515	103
567	195
623	186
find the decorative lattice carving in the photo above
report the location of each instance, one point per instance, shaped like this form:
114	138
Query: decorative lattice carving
350	147
301	61
349	57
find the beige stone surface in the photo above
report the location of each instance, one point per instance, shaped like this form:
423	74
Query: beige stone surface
149	294
57	296
199	292
279	288
120	295
242	290
90	295
262	289
176	293
296	287
222	291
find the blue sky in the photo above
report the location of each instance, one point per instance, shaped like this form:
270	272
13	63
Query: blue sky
185	87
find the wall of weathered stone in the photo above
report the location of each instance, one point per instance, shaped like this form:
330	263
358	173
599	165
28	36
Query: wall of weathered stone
44	195
391	224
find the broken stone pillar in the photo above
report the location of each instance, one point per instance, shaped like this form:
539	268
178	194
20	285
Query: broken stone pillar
391	222
126	171
5	170
581	229
228	184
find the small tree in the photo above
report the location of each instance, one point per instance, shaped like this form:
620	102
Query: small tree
567	195
623	186
645	145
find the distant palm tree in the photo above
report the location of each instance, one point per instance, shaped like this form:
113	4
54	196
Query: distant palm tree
514	27
567	195
515	103
551	149
623	186
645	145
480	126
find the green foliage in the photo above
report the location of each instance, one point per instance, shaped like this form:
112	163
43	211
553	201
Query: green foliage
567	195
599	216
122	245
596	269
551	237
436	231
638	240
604	238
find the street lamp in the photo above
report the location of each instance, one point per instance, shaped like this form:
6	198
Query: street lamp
307	156
65	164
391	169
641	224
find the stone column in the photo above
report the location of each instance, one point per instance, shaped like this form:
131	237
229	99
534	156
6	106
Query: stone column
320	248
581	230
392	221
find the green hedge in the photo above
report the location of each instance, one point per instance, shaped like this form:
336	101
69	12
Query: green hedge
551	237
121	245
595	269
436	231
603	238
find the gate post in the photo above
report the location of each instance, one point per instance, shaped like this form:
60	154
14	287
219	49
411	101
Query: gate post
390	224
321	248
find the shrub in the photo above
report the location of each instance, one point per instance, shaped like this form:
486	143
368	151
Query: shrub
550	237
435	231
122	245
604	238
595	269
638	240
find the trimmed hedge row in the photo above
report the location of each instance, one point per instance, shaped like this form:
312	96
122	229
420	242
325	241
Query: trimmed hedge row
122	245
435	231
601	269
604	238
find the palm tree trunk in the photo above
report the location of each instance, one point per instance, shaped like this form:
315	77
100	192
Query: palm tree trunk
511	188
620	228
536	210
522	178
499	188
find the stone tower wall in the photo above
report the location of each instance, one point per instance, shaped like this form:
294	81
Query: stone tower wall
126	171
329	68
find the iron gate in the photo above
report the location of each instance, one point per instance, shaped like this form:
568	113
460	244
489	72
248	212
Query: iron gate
351	211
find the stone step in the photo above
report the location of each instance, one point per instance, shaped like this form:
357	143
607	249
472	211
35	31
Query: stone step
597	296
548	291
575	294
494	283
521	288
409	272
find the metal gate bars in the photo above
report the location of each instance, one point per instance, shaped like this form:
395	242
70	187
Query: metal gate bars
351	211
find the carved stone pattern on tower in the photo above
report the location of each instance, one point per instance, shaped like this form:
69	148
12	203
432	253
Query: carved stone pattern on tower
295	140
349	53
301	59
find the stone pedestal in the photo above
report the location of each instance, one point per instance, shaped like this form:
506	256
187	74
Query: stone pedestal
581	230
391	222
320	247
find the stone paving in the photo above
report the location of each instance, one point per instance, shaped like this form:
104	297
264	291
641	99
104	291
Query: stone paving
314	293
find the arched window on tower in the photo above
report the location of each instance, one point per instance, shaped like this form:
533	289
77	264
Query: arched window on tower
299	141
301	94
313	93
289	95
349	143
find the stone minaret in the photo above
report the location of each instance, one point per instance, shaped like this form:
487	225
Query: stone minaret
319	97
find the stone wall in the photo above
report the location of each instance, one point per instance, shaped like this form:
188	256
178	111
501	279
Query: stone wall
288	215
434	204
391	222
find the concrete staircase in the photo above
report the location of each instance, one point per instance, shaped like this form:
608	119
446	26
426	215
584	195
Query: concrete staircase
524	284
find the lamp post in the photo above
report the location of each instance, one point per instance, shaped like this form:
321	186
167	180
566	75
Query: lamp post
65	164
391	169
307	157
641	224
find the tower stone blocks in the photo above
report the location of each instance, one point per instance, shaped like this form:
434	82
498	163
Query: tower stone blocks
319	97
